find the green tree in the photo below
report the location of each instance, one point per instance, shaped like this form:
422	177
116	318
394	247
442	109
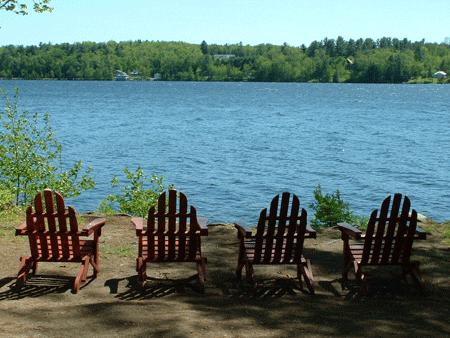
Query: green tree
330	209
204	47
30	158
134	200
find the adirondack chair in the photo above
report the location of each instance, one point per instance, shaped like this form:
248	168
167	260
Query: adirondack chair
172	235
387	242
51	240
278	240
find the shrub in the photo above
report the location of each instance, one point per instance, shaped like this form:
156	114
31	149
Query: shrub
31	159
6	197
330	209
134	200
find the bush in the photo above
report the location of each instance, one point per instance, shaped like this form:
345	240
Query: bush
6	198
134	200
330	209
31	159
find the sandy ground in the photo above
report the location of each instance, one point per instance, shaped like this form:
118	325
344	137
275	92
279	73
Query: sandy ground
112	305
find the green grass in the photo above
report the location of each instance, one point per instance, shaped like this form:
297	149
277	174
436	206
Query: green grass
11	217
438	229
121	251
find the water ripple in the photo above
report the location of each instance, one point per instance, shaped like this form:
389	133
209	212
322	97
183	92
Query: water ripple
232	147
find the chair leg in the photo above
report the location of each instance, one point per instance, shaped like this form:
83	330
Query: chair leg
82	274
414	271
25	264
241	263
358	272
95	264
249	272
347	266
96	255
306	272
34	267
141	269
347	257
299	275
201	267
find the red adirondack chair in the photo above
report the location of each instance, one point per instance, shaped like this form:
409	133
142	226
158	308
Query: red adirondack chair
278	240
172	235
388	240
52	241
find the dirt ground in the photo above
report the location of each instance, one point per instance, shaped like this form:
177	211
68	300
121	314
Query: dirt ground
112	305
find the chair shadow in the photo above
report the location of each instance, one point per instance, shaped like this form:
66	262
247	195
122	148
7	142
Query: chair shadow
375	288
272	288
156	287
37	286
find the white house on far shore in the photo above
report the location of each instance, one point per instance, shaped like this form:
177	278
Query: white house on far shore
440	75
121	76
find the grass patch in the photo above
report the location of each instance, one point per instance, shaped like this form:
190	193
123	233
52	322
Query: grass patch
441	230
121	251
11	217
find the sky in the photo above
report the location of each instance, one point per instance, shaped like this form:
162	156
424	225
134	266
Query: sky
251	22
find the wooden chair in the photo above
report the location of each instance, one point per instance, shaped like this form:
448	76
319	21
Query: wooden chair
278	240
172	235
387	242
51	240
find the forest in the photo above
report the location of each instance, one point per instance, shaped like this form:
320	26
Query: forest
386	60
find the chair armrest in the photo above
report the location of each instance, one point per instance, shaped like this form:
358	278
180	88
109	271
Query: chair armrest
203	225
20	231
421	234
244	231
95	225
139	224
310	232
346	228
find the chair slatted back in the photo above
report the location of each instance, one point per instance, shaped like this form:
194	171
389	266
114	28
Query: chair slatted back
390	234
48	233
174	229
279	235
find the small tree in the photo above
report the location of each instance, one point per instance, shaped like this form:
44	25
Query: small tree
204	47
30	158
134	200
330	209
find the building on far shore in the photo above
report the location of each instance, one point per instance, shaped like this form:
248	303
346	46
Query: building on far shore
121	76
224	56
440	75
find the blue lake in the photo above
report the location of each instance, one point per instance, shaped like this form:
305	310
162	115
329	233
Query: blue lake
232	146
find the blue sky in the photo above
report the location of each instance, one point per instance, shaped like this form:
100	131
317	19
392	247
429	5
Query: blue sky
251	22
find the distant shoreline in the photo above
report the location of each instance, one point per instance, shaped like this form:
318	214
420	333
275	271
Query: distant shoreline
424	81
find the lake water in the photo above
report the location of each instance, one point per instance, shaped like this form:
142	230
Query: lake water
231	147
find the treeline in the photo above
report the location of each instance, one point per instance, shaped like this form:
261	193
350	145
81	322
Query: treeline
385	60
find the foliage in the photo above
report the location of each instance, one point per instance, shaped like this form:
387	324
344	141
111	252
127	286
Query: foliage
330	209
11	217
385	60
31	159
22	8
6	198
134	200
361	223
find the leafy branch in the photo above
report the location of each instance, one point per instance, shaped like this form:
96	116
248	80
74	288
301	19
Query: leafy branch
134	199
31	159
22	8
